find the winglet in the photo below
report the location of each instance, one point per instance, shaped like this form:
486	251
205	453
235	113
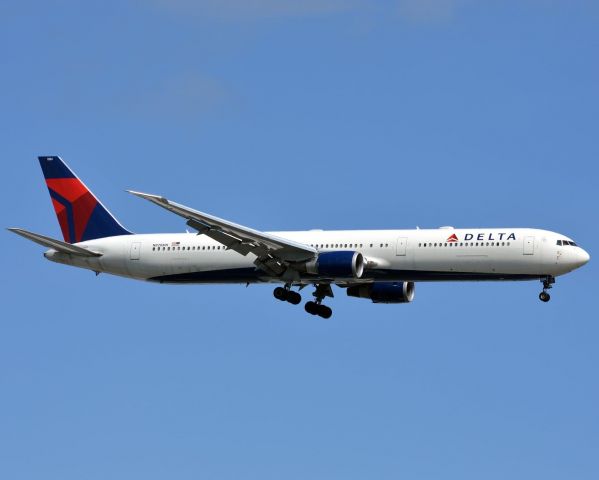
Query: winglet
149	196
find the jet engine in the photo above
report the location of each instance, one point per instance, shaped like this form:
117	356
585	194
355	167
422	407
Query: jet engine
345	264
384	292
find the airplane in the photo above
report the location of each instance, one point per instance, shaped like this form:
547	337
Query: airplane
379	265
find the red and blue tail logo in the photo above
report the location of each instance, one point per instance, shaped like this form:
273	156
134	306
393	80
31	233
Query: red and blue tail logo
80	215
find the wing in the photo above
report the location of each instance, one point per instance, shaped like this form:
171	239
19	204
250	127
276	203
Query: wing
55	244
273	253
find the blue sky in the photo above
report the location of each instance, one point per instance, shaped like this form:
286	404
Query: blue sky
295	115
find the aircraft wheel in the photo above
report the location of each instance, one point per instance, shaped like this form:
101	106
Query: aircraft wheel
293	297
311	308
544	297
324	311
280	293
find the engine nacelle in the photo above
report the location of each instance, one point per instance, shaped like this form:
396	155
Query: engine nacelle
345	264
384	292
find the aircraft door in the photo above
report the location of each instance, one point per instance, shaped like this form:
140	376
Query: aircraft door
529	246
402	243
135	251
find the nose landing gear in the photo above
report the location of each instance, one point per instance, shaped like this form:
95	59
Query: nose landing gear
547	284
544	296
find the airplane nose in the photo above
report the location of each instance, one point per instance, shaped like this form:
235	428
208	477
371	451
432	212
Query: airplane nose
581	258
584	257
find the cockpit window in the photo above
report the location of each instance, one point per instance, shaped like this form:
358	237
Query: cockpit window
566	243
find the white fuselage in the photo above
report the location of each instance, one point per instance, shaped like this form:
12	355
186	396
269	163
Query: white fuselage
391	255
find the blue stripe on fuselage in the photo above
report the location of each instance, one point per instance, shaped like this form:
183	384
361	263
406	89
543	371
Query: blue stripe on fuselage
251	275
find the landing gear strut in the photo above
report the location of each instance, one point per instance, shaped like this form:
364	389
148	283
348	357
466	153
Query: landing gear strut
547	284
316	307
285	294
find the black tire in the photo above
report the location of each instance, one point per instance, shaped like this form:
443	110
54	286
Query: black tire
324	311
293	297
544	297
311	308
280	293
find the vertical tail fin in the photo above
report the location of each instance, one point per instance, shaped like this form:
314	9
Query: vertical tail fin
80	214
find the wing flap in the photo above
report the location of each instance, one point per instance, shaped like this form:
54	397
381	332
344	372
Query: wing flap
57	245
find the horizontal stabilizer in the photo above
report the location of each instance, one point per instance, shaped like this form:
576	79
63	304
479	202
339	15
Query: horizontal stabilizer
57	245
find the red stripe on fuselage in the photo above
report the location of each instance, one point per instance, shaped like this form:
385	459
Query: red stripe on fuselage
82	202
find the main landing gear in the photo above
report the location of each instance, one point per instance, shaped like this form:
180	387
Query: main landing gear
319	309
285	294
316	307
547	284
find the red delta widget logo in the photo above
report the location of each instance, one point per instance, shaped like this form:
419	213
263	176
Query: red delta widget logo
482	236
